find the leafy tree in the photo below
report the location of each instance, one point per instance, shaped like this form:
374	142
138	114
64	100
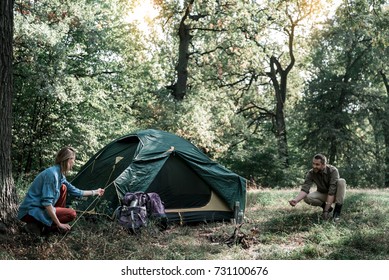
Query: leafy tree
378	70
195	35
74	77
344	99
226	62
277	42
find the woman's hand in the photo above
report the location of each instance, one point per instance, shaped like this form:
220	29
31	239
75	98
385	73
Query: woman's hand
100	191
65	227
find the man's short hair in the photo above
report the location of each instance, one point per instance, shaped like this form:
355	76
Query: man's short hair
322	158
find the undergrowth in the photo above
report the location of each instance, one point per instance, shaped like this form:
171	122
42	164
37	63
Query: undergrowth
271	230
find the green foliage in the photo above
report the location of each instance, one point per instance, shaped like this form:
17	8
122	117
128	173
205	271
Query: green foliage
342	104
73	79
85	74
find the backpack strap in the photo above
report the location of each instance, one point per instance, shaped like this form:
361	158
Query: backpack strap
148	204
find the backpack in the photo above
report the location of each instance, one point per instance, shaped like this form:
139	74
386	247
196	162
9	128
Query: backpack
156	210
138	207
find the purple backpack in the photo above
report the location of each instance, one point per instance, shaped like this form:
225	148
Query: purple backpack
138	207
156	209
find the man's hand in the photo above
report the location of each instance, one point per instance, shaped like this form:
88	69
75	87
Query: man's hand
324	216
298	198
292	202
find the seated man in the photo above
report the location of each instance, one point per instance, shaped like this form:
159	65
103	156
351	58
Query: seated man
330	188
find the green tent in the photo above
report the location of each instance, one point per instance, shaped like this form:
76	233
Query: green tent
192	187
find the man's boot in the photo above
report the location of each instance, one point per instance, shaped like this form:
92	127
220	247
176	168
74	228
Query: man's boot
337	210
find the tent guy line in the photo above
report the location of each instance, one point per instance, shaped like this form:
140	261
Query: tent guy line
83	212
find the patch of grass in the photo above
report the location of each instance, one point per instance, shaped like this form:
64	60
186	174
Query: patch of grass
272	230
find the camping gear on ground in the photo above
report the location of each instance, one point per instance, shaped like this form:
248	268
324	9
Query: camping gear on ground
132	218
156	210
193	187
138	208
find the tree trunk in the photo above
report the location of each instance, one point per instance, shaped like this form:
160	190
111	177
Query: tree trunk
8	199
280	96
180	87
282	141
279	78
385	126
183	59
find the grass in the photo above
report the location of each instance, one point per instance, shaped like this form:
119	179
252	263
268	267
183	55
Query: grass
272	231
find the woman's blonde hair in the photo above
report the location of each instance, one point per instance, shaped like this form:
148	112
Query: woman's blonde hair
63	156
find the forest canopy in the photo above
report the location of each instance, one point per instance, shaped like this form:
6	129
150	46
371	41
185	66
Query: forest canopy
259	86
